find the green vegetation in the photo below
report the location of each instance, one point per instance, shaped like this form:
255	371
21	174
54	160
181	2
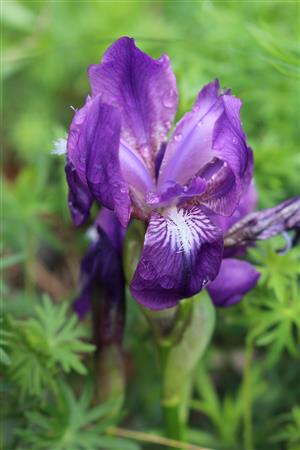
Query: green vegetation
247	392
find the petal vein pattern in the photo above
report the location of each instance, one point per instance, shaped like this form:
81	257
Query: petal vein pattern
143	89
182	252
182	229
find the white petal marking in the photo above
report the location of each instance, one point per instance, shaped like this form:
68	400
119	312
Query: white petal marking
182	230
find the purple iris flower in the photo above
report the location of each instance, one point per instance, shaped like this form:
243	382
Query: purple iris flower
118	155
101	276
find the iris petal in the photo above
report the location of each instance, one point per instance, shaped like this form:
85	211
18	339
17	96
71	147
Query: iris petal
229	141
182	253
134	169
101	271
143	89
221	194
99	143
79	198
234	280
190	146
211	130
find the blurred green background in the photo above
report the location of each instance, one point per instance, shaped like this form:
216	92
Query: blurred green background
253	48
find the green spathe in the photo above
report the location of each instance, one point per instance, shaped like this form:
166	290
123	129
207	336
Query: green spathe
182	335
182	356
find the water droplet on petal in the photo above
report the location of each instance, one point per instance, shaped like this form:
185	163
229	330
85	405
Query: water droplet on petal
200	123
178	137
234	140
169	98
145	150
195	108
185	188
205	281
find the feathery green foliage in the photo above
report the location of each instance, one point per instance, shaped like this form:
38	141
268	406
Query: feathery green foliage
42	347
247	388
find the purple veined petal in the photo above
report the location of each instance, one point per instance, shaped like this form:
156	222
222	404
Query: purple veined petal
229	141
108	222
172	193
159	157
93	150
246	205
190	146
234	280
101	272
134	170
76	145
79	198
101	138
143	89
182	253
221	195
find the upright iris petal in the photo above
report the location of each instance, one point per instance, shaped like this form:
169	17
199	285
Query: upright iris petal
211	130
144	91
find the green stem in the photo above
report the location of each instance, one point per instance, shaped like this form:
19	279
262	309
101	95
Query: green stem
174	428
180	352
247	404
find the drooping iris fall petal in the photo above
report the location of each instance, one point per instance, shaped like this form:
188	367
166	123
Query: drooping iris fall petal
234	280
182	253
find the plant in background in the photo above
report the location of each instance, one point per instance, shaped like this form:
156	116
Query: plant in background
42	351
191	195
252	361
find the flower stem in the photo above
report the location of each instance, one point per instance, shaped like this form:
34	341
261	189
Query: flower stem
181	337
174	427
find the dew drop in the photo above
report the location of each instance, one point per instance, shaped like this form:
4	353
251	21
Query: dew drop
144	150
169	99
195	108
205	281
200	123
234	140
185	188
178	137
